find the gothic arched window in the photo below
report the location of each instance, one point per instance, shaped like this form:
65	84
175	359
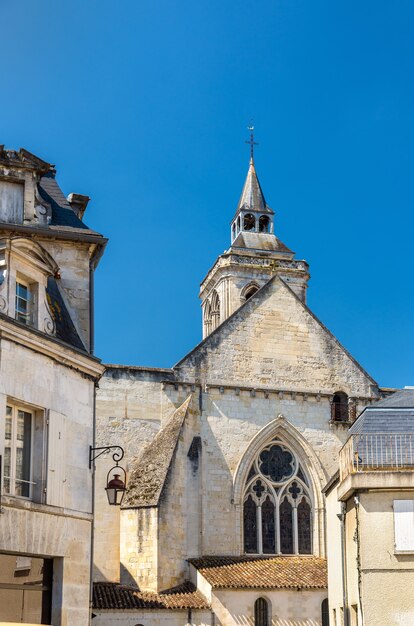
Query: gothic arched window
215	310
207	319
261	612
277	503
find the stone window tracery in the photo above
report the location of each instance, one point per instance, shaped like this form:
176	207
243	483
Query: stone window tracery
277	503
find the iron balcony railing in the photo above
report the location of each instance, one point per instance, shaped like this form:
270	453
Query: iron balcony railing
370	452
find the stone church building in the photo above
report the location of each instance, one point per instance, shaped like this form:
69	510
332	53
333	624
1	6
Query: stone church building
228	451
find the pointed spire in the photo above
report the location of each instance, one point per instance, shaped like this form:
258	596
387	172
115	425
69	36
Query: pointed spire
252	197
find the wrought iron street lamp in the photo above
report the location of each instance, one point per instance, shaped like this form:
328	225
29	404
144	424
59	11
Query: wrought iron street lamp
115	486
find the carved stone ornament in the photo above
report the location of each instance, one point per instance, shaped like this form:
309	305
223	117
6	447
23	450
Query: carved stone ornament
3	304
49	325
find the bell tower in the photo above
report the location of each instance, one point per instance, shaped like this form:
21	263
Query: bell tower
254	257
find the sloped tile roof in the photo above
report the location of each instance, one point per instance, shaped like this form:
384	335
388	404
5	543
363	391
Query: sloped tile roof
275	572
150	470
112	596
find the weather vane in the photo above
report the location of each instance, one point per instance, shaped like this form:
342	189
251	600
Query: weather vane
251	141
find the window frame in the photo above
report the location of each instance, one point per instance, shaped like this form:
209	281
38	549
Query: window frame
31	302
399	522
15	408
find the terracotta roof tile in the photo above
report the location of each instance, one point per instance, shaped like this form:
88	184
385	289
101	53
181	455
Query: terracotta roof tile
112	596
275	572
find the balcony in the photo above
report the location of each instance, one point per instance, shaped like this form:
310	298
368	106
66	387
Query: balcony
366	455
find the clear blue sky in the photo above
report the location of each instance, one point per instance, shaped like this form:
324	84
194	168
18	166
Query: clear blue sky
143	105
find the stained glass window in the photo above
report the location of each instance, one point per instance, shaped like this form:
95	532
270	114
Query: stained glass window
276	485
268	526
304	527
250	526
286	527
276	463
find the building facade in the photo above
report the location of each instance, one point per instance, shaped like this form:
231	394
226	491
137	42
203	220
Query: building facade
228	451
47	387
370	518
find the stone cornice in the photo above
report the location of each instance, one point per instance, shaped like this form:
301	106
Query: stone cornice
268	263
265	391
55	349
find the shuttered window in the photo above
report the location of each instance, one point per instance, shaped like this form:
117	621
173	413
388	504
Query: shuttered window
404	525
56	460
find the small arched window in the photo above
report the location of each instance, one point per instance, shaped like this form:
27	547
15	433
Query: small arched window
249	222
277	512
264	224
325	612
233	231
339	407
238	224
261	612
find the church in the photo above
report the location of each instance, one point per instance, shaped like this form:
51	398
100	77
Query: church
228	451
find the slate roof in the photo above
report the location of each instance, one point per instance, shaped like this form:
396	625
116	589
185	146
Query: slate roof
62	213
394	414
273	572
252	197
65	328
260	241
150	470
403	398
112	596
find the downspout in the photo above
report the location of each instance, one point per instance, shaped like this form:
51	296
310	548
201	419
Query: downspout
91	303
342	516
358	559
93	508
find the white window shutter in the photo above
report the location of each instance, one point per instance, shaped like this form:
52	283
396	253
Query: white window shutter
404	525
56	460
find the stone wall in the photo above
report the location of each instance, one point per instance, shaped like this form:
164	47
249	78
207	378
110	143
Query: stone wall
61	528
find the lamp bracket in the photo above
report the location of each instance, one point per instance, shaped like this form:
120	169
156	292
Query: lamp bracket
116	456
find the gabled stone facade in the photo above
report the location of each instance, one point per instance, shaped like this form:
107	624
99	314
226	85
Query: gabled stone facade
268	381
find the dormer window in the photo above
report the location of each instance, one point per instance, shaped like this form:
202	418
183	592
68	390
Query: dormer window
24	306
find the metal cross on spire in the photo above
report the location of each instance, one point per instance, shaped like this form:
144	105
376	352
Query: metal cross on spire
251	141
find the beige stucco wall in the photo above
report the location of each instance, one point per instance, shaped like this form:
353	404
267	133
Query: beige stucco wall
288	608
153	618
386	576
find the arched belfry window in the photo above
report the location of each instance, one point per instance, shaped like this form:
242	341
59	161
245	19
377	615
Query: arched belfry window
261	612
340	407
249	222
277	510
264	224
